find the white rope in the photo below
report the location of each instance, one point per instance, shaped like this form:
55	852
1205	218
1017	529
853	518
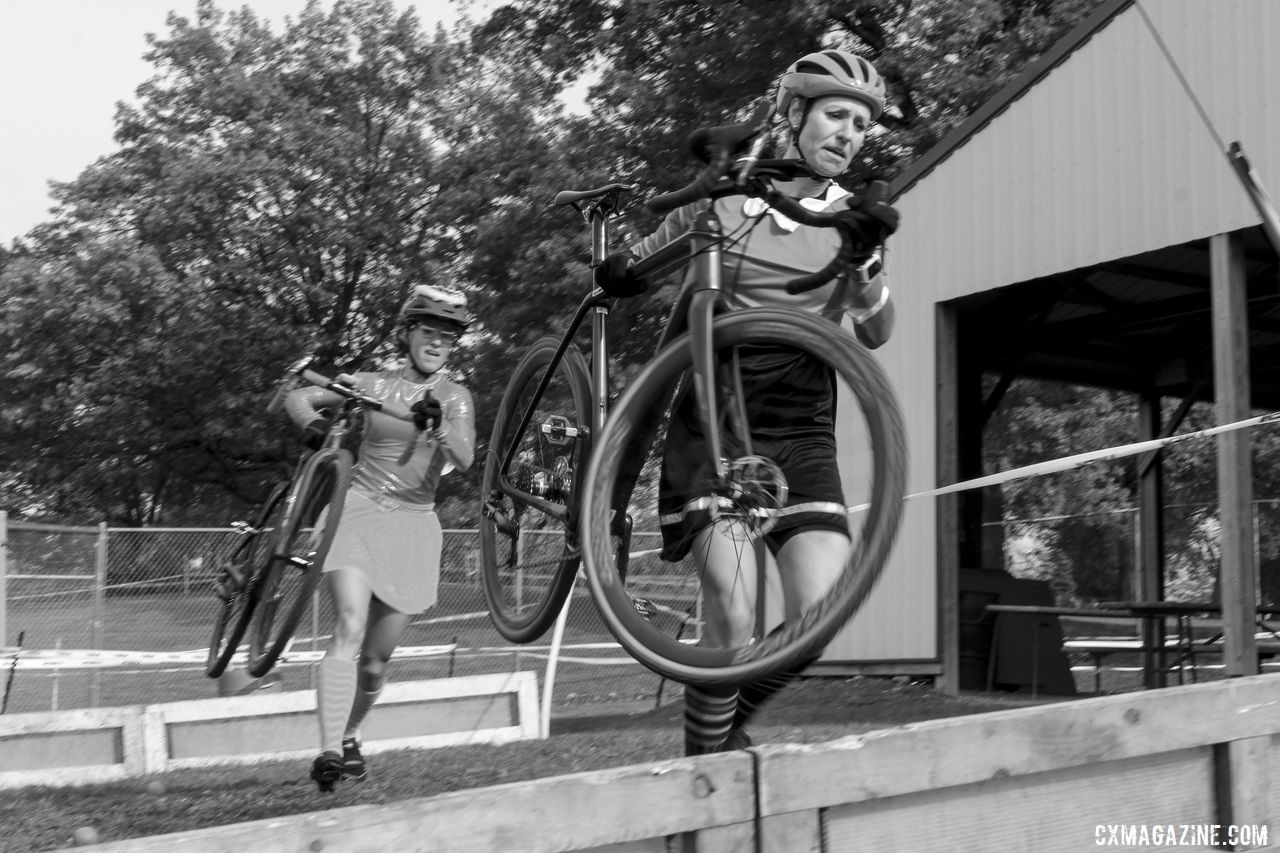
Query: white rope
1067	463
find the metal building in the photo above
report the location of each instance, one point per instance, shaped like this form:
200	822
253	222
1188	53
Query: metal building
1085	225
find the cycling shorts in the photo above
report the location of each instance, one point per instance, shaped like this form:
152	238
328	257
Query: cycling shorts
790	400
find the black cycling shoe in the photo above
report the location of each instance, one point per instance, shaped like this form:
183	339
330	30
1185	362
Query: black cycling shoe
353	766
326	769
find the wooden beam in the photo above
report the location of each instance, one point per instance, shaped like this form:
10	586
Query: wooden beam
947	351
1151	532
1235	467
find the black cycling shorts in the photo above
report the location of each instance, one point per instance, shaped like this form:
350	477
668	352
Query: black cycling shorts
790	398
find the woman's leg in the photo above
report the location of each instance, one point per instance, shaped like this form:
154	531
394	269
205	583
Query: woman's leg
385	628
808	564
337	677
725	559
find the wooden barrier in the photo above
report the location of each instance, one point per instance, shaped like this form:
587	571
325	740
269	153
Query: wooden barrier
1069	776
100	745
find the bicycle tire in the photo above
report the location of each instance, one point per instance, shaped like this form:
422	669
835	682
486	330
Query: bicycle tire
235	609
284	588
636	627
529	555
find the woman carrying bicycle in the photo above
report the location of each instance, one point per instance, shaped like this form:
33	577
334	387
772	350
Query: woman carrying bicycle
828	101
384	564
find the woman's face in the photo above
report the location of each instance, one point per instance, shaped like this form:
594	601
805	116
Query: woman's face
429	343
833	133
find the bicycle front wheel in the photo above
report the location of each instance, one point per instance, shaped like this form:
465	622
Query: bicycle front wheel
528	549
656	607
286	586
238	594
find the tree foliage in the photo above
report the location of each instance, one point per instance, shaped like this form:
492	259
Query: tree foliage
273	190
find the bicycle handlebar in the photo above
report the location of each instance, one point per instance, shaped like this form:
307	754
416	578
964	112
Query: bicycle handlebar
745	177
354	395
698	188
301	370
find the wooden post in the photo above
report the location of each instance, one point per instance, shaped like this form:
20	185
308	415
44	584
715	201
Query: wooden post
947	507
96	625
1151	538
4	571
1235	468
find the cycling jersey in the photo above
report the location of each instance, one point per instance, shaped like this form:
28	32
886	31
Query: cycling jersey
383	472
389	532
773	250
788	393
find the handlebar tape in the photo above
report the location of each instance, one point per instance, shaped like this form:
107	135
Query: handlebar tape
697	189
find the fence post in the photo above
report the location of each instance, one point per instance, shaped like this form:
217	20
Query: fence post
4	571
99	610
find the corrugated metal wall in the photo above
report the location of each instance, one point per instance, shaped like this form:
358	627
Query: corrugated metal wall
1104	158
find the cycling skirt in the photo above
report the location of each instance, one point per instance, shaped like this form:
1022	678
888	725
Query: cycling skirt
397	550
790	400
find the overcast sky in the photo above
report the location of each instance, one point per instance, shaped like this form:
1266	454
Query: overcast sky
63	66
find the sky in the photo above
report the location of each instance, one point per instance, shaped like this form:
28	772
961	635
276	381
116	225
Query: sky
64	64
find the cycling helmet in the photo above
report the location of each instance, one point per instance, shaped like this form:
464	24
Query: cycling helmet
428	300
831	72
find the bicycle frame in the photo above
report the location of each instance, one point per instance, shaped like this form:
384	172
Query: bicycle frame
696	307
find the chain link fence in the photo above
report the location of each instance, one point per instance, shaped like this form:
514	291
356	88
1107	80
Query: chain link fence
145	595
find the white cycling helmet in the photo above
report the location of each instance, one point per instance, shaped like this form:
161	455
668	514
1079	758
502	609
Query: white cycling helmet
443	303
831	72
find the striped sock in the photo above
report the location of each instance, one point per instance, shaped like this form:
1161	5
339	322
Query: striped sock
755	694
335	694
360	710
708	712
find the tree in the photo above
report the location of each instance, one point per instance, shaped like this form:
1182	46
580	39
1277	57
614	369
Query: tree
664	67
272	190
268	191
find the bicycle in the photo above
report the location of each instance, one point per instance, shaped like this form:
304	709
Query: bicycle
562	469
268	582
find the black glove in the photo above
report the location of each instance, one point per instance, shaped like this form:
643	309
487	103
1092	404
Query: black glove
614	276
869	218
314	432
426	413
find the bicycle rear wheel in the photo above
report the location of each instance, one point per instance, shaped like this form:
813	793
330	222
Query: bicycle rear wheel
301	542
238	596
655	608
528	549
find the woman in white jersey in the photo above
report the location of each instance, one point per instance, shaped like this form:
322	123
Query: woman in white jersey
384	564
828	101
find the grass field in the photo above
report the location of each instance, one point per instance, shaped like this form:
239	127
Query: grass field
810	711
174	622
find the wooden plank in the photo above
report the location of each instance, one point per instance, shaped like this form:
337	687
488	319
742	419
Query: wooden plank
792	832
1235	465
582	811
246	729
1244	781
962	751
1028	813
83	745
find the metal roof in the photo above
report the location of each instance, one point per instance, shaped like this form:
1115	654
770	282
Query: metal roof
1068	219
